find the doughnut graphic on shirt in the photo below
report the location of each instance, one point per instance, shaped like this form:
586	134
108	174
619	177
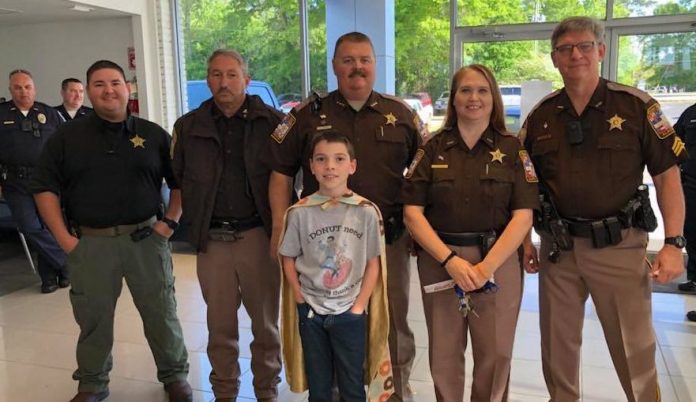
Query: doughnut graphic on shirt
336	266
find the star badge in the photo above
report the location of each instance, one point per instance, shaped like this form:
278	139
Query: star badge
497	156
616	122
391	119
138	141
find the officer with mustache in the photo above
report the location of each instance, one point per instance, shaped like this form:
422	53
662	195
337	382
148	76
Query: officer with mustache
386	134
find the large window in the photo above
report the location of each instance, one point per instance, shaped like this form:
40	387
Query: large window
266	33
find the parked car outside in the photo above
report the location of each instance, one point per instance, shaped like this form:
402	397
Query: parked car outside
198	92
424	114
289	101
512	118
425	100
441	103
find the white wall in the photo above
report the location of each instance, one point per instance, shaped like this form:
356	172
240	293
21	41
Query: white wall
54	51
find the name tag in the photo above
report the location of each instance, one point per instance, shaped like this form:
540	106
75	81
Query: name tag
438	287
7	122
439	166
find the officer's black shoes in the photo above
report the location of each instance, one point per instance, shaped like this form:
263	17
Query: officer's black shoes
179	391
49	287
688	286
83	396
63	282
691	315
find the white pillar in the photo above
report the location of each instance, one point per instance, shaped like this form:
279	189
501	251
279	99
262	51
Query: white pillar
375	18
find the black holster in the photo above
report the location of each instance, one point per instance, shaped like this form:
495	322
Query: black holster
394	228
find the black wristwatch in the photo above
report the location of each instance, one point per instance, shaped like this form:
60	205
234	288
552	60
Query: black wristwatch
676	241
170	222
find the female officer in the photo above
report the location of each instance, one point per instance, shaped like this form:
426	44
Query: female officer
468	202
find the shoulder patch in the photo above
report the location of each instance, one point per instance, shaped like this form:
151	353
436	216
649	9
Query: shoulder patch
616	87
659	122
283	128
421	127
529	172
414	163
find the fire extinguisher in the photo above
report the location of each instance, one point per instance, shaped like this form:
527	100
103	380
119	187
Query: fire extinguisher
133	105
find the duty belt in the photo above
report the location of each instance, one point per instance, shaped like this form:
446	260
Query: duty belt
461	239
238	225
117	230
584	229
20	172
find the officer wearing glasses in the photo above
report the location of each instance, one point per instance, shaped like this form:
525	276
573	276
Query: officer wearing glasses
590	143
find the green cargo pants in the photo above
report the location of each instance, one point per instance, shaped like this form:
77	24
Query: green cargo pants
98	265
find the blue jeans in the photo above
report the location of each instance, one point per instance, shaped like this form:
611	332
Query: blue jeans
333	343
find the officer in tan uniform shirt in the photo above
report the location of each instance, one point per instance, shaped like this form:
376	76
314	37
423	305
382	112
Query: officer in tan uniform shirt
590	143
470	186
385	133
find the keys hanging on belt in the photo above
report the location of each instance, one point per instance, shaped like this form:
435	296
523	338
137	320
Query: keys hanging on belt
465	306
464	298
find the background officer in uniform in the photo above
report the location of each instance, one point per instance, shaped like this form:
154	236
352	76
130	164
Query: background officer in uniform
106	170
590	143
686	130
456	216
26	126
73	93
385	134
224	186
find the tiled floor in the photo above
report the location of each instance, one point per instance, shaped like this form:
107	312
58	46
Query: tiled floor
38	334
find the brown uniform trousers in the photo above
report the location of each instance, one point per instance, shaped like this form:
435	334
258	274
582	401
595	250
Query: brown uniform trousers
492	331
402	344
237	272
617	279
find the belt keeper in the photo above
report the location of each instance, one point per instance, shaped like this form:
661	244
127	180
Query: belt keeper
449	257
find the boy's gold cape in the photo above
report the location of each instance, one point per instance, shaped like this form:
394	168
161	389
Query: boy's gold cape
379	370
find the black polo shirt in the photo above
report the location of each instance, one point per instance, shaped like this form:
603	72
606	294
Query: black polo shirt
233	198
106	173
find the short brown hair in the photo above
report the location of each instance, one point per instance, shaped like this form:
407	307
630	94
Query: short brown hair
229	53
333	137
578	24
67	81
356	37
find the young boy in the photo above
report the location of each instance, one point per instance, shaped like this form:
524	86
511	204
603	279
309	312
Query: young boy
332	255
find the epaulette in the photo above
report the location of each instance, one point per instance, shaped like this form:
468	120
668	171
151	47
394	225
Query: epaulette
544	100
616	87
396	99
311	98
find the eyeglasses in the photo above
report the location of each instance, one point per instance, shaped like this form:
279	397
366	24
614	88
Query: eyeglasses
583	47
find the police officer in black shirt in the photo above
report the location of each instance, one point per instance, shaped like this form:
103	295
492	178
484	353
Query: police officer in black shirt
26	126
73	93
686	130
107	171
